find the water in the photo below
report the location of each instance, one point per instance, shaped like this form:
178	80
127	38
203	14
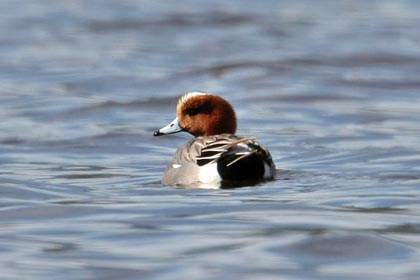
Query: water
332	89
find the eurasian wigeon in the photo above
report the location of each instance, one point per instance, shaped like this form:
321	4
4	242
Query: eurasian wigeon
216	154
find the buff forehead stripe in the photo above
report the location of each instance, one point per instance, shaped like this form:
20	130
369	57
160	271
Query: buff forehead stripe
189	95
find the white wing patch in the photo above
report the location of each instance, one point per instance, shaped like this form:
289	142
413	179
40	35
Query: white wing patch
208	174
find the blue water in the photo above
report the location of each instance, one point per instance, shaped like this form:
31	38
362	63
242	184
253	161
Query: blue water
331	88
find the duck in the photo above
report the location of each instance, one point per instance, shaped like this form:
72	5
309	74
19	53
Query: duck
216	155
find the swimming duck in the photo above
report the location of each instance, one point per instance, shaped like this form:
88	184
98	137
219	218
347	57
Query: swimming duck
216	154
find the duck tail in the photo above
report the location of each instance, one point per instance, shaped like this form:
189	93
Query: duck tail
244	161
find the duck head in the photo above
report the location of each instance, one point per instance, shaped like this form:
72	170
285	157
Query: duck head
201	114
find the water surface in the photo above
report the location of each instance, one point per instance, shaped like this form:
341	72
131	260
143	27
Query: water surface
331	89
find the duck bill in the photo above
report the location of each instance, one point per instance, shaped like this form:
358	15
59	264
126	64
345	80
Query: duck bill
171	128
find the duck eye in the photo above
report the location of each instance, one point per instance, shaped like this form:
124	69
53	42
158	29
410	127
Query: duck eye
203	108
193	111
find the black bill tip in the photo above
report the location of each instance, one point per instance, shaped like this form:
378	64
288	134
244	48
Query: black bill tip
157	133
